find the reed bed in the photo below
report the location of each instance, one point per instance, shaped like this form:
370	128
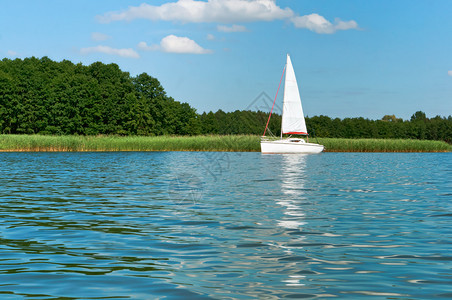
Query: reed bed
384	145
129	143
244	143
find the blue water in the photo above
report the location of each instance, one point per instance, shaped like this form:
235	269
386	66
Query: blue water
193	225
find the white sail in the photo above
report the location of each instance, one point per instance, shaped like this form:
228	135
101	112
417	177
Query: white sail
292	118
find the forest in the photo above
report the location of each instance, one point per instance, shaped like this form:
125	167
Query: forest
249	122
42	96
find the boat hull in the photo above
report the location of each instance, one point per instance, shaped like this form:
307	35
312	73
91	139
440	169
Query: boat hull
290	147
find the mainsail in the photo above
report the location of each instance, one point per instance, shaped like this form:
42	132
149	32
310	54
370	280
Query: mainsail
292	118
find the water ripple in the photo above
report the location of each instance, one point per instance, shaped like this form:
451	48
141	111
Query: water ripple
182	225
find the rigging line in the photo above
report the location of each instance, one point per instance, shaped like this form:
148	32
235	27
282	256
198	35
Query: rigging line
271	133
274	100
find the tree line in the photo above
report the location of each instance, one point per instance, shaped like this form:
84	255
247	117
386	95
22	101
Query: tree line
41	96
249	122
47	97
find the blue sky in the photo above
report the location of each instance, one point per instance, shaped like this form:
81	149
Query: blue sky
352	58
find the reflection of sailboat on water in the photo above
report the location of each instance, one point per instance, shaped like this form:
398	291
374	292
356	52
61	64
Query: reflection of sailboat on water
292	183
293	121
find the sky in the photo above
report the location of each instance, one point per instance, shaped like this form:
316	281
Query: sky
352	58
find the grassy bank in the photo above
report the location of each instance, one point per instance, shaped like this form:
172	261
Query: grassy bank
384	145
201	143
128	143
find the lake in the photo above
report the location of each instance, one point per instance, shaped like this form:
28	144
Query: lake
215	225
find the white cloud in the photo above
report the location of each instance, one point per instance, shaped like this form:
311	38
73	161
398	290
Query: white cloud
193	11
319	24
176	44
210	37
449	72
345	25
145	47
227	12
112	51
97	36
11	53
233	28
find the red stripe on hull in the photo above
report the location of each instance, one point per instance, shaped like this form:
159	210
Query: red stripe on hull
304	133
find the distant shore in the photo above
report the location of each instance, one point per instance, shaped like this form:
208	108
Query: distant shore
230	143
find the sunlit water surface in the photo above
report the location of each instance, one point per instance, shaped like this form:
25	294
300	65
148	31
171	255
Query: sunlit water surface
193	225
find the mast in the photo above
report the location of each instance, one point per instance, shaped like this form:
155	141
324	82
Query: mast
284	97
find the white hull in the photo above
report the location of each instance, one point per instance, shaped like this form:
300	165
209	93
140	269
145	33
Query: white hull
290	146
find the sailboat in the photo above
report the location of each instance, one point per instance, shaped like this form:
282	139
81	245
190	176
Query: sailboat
293	122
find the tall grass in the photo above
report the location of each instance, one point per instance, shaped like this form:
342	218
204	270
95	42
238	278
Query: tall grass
383	145
129	143
201	143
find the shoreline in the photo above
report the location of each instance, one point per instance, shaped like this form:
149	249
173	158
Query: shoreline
204	143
